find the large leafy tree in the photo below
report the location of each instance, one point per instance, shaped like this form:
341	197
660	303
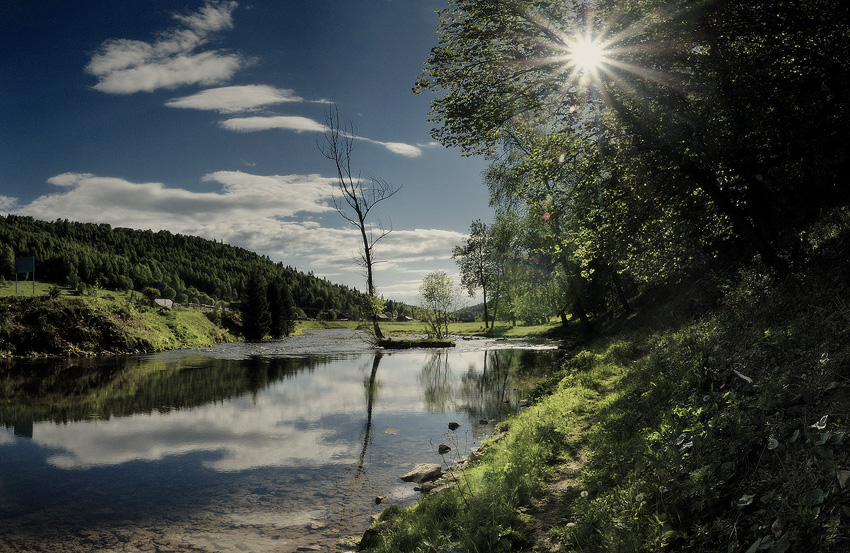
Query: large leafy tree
725	115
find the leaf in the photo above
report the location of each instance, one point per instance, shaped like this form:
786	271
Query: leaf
795	436
745	501
842	478
727	470
814	497
823	438
821	424
781	546
766	543
754	547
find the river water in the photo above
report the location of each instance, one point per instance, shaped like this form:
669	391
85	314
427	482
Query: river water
274	447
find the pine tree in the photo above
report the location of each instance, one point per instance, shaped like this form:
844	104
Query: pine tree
280	318
256	317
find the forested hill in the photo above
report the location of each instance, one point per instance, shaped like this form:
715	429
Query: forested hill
182	268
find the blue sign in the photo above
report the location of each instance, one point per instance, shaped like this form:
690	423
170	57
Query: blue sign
25	265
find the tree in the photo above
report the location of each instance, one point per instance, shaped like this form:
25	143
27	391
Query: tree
354	200
438	298
732	122
7	261
256	317
476	260
281	309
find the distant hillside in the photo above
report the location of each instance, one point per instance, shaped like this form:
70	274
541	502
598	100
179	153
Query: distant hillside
182	268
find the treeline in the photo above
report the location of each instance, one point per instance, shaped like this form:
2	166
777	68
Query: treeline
185	269
723	142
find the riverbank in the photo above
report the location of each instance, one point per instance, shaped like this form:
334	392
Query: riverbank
80	327
711	420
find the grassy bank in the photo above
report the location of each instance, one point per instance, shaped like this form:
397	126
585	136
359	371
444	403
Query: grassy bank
419	328
77	326
713	420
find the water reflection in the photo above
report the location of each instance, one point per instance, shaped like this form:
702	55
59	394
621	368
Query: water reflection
290	450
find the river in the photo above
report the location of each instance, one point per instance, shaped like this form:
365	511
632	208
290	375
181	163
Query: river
275	447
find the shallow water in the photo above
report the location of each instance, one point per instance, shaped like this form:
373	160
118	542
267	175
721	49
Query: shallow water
273	447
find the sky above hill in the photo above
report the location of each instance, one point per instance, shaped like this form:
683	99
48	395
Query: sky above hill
203	118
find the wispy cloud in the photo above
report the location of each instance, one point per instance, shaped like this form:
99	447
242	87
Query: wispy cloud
301	124
235	99
400	148
286	122
125	66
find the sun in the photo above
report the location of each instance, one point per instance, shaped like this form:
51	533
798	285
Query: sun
586	54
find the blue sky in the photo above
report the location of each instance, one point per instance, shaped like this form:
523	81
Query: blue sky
202	117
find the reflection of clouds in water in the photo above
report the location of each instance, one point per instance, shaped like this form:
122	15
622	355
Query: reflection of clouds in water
313	419
280	426
7	437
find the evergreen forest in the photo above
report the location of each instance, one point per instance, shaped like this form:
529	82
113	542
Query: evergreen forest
185	269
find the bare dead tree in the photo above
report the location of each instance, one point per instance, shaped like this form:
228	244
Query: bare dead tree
355	197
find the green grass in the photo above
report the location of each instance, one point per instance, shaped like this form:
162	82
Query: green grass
720	431
97	323
485	509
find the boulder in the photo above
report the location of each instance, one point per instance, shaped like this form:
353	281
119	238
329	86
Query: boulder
424	472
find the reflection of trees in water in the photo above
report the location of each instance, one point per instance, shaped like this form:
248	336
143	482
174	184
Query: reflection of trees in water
70	390
486	395
434	378
360	479
489	393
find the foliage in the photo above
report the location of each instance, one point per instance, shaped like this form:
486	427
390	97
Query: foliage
281	309
713	420
198	270
720	141
438	299
256	316
74	327
476	260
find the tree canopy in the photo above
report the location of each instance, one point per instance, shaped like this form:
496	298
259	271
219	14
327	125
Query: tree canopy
707	131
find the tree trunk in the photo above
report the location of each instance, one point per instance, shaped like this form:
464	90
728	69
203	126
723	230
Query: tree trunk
486	316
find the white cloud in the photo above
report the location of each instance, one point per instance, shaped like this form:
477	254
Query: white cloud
90	197
125	66
235	99
291	123
400	148
275	215
7	203
301	124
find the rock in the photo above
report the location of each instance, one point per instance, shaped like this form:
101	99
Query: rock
424	472
442	449
380	499
453	426
372	536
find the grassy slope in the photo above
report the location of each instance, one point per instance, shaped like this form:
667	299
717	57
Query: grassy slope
110	323
714	420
